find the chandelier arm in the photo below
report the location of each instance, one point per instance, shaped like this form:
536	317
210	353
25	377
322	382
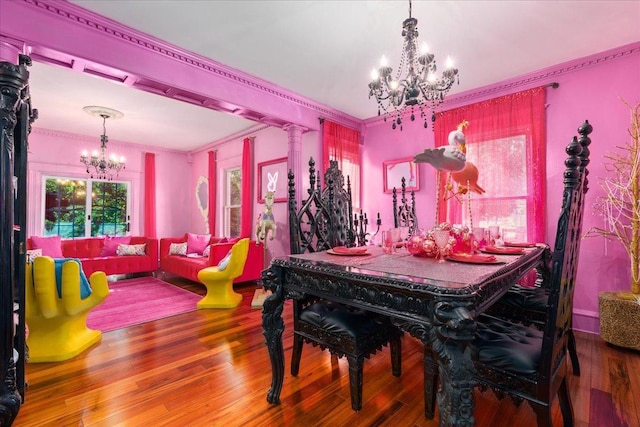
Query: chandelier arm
101	167
419	88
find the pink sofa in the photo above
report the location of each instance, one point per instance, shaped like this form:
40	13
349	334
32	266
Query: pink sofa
189	267
88	250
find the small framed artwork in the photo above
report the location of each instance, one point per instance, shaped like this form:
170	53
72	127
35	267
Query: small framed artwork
394	170
272	176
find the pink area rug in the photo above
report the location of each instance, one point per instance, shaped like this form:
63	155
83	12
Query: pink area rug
134	301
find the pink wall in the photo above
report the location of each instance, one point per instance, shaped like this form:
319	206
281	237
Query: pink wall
270	143
590	91
58	154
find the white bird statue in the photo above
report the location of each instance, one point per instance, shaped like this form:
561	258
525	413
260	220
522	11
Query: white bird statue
450	158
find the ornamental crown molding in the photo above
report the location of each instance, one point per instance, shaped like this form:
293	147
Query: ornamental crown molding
76	15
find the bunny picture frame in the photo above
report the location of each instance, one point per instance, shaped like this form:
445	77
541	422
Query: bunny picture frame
272	176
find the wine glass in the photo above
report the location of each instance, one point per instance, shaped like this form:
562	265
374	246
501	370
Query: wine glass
494	234
441	238
404	235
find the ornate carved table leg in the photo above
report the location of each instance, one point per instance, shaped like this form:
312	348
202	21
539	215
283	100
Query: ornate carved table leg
454	330
273	326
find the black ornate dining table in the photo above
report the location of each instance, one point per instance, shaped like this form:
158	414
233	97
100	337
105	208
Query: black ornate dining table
436	302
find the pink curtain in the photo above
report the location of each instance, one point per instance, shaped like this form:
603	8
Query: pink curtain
150	195
495	126
339	143
247	211
212	191
342	144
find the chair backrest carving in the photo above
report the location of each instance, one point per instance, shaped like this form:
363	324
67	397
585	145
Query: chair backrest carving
564	260
404	215
325	217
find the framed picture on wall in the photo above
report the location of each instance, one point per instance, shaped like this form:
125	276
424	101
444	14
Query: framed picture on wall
394	170
273	175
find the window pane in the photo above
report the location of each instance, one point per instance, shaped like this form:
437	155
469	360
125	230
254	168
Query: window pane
234	219
235	187
502	167
109	209
69	214
65	207
233	202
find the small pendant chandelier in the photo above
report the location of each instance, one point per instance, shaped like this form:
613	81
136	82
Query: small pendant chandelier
98	165
415	86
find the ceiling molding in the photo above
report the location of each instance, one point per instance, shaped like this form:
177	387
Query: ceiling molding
78	16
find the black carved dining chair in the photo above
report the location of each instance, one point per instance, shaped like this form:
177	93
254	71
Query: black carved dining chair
529	363
323	222
404	214
528	304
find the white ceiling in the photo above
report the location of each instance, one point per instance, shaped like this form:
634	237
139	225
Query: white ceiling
323	50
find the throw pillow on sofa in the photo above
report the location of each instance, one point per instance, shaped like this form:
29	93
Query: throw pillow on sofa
196	243
224	262
51	246
178	249
32	254
111	243
206	251
132	249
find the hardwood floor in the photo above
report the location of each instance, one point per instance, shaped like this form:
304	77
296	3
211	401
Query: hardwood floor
211	367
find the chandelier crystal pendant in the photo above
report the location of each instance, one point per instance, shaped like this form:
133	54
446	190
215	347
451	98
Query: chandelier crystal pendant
416	86
98	165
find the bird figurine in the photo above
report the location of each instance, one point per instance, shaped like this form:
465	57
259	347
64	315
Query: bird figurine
467	178
451	157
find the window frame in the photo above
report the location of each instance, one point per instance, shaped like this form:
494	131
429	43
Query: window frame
88	212
228	206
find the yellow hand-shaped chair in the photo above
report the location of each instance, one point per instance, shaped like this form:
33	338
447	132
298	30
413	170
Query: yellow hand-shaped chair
58	325
219	280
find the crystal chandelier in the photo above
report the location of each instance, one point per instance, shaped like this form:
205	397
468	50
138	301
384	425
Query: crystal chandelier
415	86
98	165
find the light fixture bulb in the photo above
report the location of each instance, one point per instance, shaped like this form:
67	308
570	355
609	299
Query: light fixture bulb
424	48
449	63
374	74
383	61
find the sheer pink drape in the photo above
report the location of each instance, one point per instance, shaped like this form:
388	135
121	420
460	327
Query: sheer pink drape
342	144
150	195
247	206
212	170
498	127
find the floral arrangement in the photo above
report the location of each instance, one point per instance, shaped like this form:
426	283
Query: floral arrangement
620	206
423	243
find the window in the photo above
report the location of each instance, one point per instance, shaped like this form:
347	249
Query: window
506	140
69	213
232	202
506	197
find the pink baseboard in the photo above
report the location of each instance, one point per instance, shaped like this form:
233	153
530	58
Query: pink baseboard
586	321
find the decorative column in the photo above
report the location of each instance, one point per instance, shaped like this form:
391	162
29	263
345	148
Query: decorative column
294	133
14	126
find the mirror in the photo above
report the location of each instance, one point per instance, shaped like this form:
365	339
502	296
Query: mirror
202	198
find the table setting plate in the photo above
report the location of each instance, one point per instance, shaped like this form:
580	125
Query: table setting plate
502	250
474	259
519	244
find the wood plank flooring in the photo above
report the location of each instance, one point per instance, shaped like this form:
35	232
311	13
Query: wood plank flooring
211	368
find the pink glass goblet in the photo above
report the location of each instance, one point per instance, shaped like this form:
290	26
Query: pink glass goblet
441	237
